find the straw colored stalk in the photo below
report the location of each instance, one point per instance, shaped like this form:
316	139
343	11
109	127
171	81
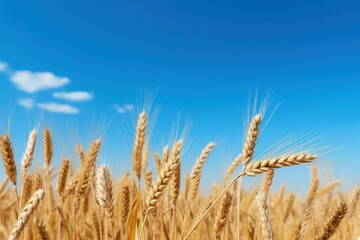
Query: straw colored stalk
308	205
259	167
197	170
140	138
247	155
28	155
25	214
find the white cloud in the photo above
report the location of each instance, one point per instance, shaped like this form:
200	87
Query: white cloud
35	81
74	96
3	66
27	103
58	108
124	109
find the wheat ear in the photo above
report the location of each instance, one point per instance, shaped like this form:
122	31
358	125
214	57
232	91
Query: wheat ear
48	148
110	210
222	215
7	154
289	206
40	230
251	137
308	205
259	167
197	170
161	183
100	186
62	177
353	202
140	137
125	200
25	214
26	189
175	186
233	167
266	165
81	153
268	179
264	216
333	222
28	155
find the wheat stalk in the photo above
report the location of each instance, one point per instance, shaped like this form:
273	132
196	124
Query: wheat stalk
25	214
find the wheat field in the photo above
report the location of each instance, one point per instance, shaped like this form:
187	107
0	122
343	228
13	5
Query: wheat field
89	203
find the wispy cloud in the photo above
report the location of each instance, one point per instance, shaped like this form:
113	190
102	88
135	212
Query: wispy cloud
27	103
124	109
31	82
74	96
58	108
3	66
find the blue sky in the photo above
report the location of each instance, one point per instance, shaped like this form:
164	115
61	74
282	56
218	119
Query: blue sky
91	62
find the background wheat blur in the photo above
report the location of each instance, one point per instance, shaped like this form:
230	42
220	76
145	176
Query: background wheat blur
89	203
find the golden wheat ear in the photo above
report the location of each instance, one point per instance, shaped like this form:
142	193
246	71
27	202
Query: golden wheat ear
26	213
333	222
28	155
40	230
264	216
197	170
140	138
222	215
48	147
7	154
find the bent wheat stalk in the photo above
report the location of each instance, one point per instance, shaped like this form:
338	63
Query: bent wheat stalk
259	167
25	214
